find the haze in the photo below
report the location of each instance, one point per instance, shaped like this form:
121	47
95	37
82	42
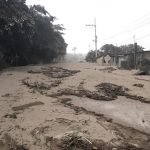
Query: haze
117	21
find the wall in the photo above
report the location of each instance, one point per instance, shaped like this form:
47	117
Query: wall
146	55
127	61
100	61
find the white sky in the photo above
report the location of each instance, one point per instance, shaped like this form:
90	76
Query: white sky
117	21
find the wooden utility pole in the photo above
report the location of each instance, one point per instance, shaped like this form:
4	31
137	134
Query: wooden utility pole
95	30
74	50
135	52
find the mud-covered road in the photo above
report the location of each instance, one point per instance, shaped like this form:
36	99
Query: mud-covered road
71	106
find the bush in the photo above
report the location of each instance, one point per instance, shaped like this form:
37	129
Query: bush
28	35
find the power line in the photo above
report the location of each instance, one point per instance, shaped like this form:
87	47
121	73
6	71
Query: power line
140	38
127	40
148	14
139	26
129	30
143	37
133	27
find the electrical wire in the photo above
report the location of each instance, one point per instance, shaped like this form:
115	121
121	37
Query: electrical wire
133	27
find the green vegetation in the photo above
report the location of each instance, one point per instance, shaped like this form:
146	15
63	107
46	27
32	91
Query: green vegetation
28	35
124	49
113	50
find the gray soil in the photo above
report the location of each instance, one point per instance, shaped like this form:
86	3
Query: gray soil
74	106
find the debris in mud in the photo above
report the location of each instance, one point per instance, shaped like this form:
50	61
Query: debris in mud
55	83
80	87
111	90
8	143
9	74
22	107
34	71
143	79
55	72
6	95
105	92
139	85
82	93
139	98
38	86
65	100
39	130
140	73
13	115
77	109
126	139
108	69
77	141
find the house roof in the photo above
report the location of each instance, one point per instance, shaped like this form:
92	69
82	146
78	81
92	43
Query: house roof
104	55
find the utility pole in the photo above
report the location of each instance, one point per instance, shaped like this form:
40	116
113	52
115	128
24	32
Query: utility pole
74	50
135	51
95	30
134	38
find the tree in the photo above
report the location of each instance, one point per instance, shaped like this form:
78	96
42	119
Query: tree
111	49
48	42
16	30
28	35
130	48
91	57
124	49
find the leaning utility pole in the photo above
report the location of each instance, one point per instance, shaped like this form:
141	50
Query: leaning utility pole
95	30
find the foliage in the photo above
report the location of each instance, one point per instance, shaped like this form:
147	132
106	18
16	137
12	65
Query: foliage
130	48
27	35
124	49
90	57
113	51
16	29
48	42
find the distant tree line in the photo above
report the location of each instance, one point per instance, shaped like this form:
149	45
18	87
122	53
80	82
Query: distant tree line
28	35
112	50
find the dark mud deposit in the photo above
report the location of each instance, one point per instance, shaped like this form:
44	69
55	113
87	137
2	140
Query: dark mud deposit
55	72
104	92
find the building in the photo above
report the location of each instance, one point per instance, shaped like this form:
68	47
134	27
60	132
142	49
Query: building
132	60
126	61
104	60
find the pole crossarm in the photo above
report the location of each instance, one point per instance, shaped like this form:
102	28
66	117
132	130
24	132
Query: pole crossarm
90	25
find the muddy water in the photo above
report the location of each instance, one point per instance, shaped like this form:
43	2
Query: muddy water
125	111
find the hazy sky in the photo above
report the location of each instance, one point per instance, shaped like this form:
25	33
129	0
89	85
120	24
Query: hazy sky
117	21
